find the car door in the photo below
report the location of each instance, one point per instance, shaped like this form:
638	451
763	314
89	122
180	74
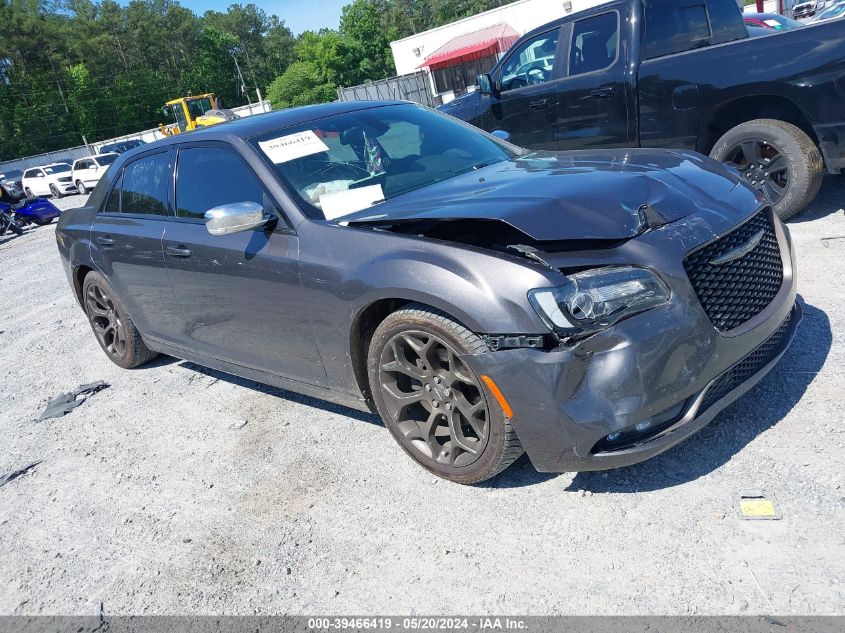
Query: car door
240	294
40	185
126	243
523	102
80	172
92	173
592	100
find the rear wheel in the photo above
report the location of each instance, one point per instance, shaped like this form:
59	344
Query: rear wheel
432	402
777	158
80	187
115	331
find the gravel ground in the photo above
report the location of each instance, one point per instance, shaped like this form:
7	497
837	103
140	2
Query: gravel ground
184	490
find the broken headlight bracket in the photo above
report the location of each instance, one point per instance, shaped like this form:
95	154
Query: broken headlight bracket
498	342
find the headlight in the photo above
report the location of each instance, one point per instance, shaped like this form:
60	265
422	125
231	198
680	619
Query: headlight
595	299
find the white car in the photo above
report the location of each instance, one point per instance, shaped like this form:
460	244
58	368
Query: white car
832	12
49	180
86	172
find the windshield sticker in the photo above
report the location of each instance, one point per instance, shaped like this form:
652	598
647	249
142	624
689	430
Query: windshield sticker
340	203
293	146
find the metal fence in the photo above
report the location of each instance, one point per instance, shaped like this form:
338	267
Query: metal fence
81	151
413	87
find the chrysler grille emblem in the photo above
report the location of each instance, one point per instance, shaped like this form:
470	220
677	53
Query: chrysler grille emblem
739	251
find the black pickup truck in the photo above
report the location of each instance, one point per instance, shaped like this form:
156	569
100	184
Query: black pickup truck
677	74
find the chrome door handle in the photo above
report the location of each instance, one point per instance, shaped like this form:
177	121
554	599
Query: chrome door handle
178	251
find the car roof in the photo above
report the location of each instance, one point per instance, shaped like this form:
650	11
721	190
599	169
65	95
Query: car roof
258	124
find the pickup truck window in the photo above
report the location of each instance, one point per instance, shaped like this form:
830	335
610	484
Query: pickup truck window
675	27
672	27
532	63
595	41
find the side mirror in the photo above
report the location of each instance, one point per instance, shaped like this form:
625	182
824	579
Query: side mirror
502	134
40	175
485	84
235	217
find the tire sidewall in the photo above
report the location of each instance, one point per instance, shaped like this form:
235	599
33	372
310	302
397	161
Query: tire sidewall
393	325
128	360
788	146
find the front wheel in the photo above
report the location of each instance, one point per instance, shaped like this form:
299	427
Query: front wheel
28	192
80	187
115	331
432	402
777	158
54	191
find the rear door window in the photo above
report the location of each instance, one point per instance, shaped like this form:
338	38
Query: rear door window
595	43
142	187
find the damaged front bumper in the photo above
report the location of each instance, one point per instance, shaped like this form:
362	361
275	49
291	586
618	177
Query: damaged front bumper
638	388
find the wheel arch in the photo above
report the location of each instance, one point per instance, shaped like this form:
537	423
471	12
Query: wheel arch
729	114
79	274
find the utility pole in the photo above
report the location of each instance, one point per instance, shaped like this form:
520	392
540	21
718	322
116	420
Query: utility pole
243	84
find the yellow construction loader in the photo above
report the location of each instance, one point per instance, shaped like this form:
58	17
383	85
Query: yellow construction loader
191	112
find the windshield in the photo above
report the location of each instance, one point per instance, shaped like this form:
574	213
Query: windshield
108	159
345	163
57	169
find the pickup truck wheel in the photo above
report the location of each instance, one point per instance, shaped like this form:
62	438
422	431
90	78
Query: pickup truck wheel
777	158
115	331
432	402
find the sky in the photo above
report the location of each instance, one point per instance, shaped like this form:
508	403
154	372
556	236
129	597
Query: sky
299	15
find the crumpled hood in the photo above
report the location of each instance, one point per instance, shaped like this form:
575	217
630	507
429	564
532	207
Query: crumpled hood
553	196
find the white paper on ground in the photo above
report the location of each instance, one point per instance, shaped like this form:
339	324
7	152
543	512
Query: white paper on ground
341	203
292	146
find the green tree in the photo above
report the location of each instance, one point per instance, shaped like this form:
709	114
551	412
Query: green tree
301	84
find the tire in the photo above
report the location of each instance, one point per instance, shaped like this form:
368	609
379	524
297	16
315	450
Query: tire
124	346
444	384
80	187
43	222
28	192
11	226
791	188
54	191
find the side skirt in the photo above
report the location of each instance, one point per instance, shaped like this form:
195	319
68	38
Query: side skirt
266	378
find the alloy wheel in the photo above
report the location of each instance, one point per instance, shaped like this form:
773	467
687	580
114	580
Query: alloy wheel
762	165
433	399
54	191
107	324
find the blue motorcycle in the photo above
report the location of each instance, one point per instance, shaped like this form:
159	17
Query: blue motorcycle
31	211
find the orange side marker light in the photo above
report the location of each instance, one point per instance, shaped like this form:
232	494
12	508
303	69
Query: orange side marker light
500	397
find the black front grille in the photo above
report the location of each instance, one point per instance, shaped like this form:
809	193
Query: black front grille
748	366
736	291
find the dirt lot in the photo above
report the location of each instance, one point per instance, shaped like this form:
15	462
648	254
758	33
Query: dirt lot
183	490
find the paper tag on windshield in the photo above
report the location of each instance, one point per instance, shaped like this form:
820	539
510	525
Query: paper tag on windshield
339	203
293	146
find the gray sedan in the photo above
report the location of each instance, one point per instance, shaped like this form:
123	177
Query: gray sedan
589	308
